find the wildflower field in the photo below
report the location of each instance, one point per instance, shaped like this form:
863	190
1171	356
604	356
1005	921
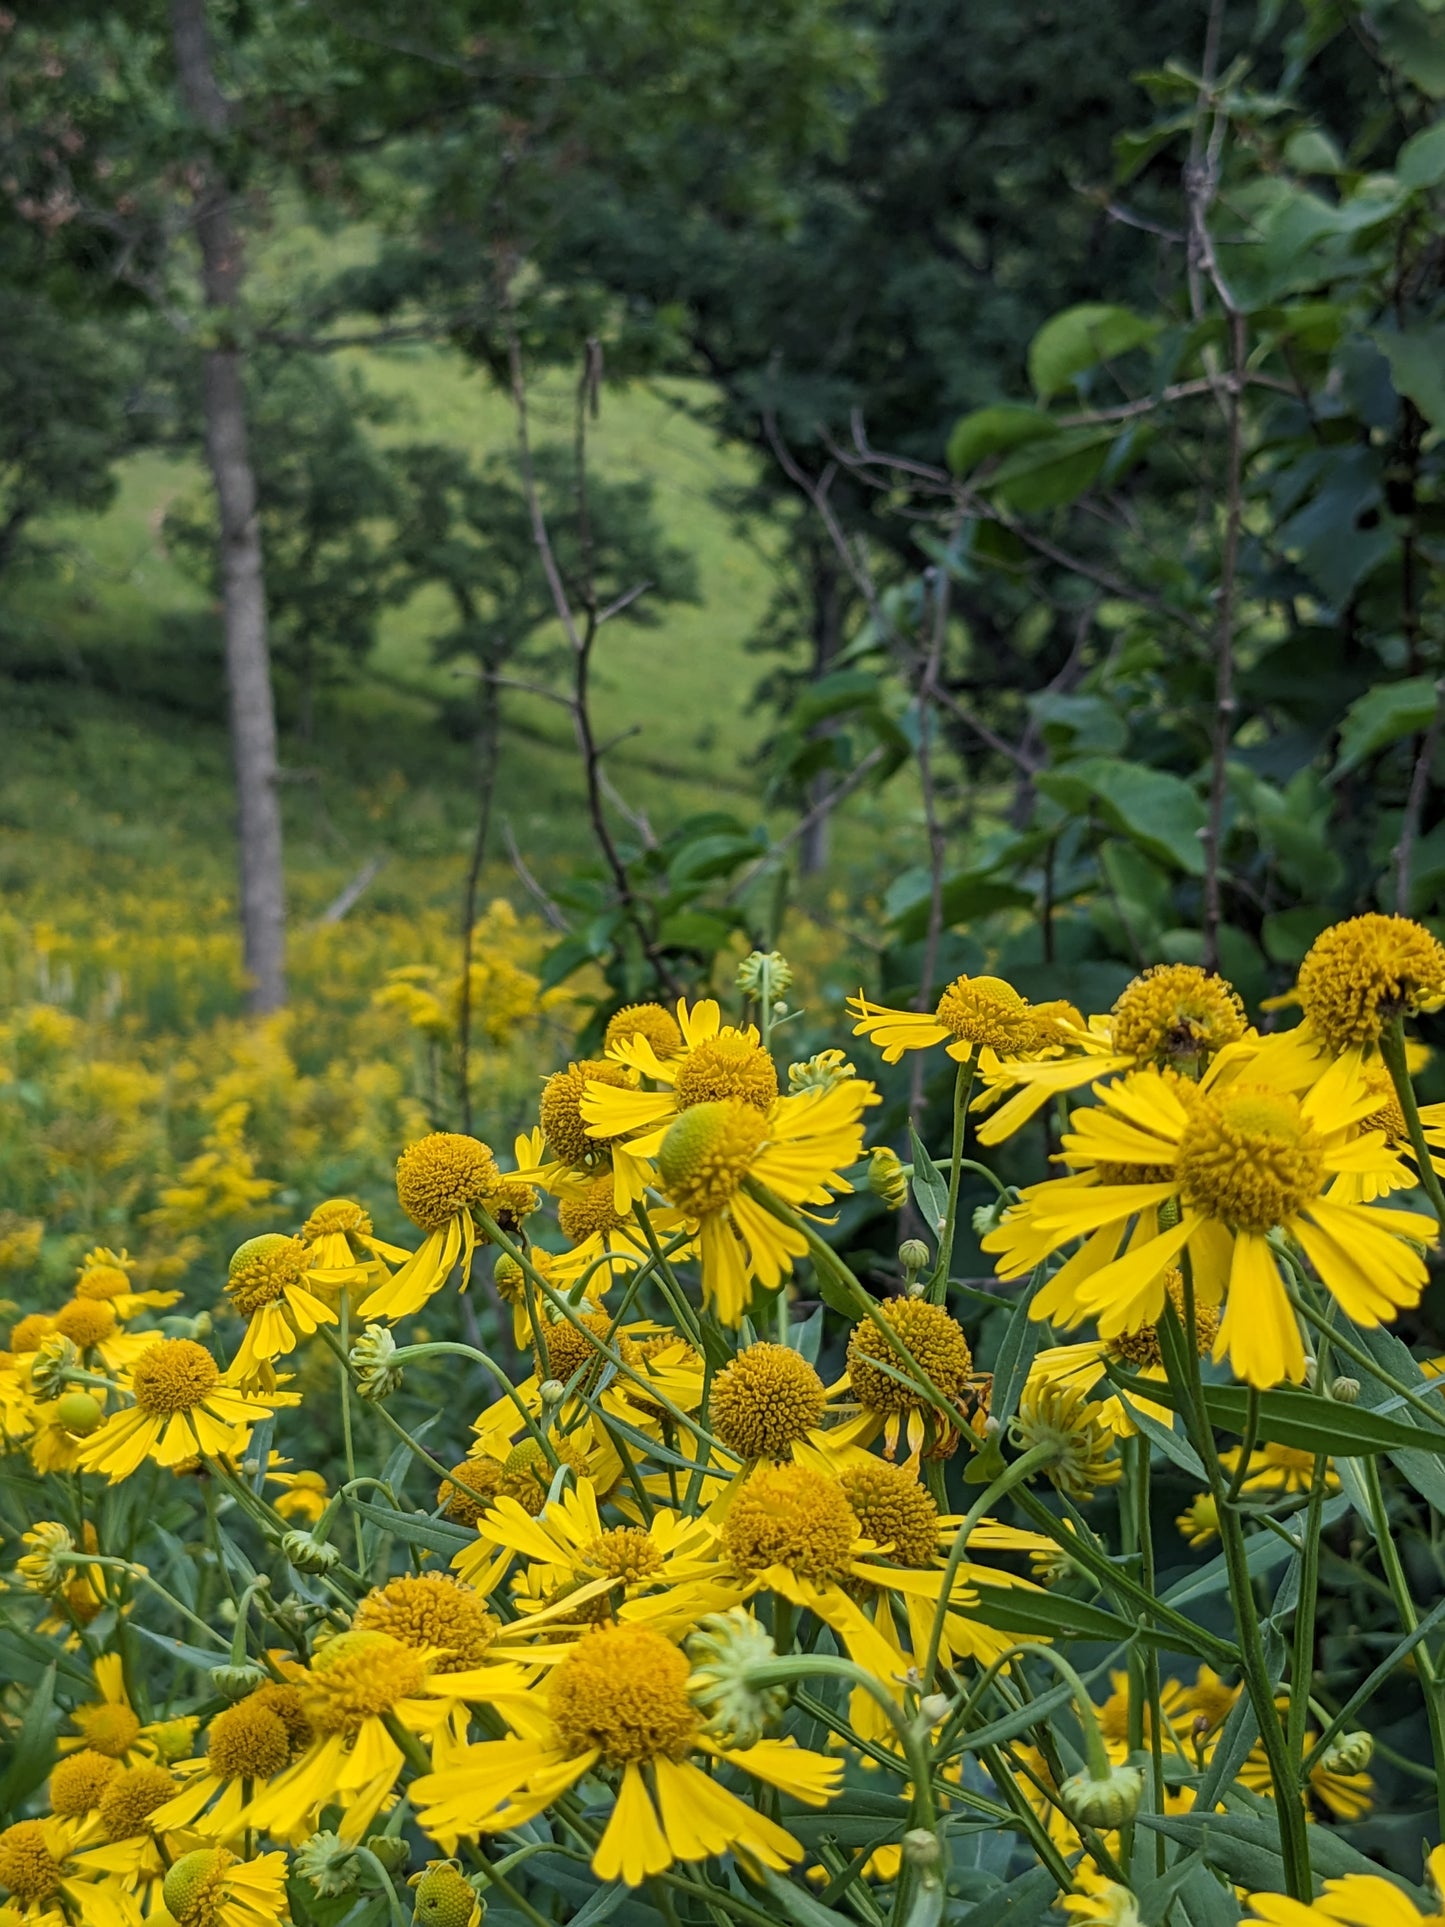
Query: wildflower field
722	964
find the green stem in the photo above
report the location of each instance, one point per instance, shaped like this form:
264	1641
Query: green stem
1012	1475
1409	1618
962	1088
1392	1049
1289	1808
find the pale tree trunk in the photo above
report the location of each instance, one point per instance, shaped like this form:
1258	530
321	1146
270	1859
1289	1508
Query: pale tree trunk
243	583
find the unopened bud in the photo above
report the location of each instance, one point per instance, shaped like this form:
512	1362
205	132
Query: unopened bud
1105	1803
308	1554
1345	1391
235	1682
921	1849
914	1255
1348	1753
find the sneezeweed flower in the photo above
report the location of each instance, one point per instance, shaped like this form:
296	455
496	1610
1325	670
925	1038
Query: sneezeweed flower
268	1285
213	1887
247	1746
1085	1365
1171	1017
1225	1165
973	1014
766	1401
1278	1470
890	1404
184	1404
713	1152
717	1063
1357	1900
618	1703
439	1180
1063	1419
355	1684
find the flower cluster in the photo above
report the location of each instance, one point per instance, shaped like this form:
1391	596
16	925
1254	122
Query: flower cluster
609	1526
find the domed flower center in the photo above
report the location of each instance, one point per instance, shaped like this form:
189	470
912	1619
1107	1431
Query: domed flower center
649	1021
729	1065
174	1375
706	1153
1360	973
261	1271
622	1690
132	1797
108	1728
336	1214
591	1209
195	1886
766	1400
443	1174
789	1515
894	1510
86	1322
931	1334
986	1010
357	1676
102	1281
1248	1157
78	1782
27	1866
247	1742
1176	1013
563	1124
472	1487
430	1610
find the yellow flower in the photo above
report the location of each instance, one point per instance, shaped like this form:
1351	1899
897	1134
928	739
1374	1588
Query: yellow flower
1236	1161
1171	1017
619	1698
1356	1900
973	1014
716	1063
712	1152
438	1181
183	1405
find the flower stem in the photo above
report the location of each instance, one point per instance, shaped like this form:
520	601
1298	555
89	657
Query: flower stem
1392	1049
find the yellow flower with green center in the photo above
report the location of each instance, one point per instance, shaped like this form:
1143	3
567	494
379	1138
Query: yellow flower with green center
798	1149
1172	1017
714	1063
184	1404
440	1179
974	1014
619	1700
1219	1169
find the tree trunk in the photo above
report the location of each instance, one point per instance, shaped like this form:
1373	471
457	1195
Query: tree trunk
243	582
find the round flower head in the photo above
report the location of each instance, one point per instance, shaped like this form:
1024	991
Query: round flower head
974	1013
714	1064
268	1286
620	1699
183	1404
1226	1163
936	1340
658	1027
712	1156
765	1401
431	1612
213	1887
1359	974
439	1180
